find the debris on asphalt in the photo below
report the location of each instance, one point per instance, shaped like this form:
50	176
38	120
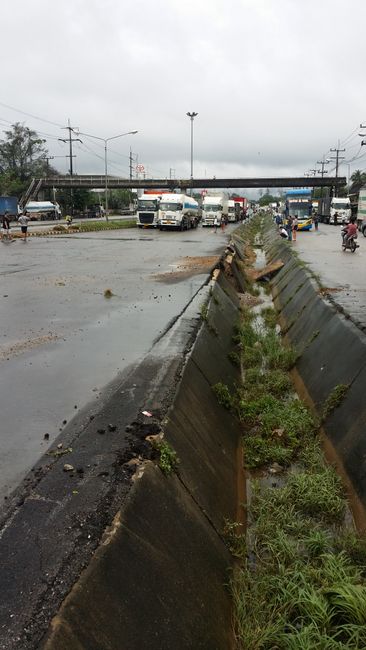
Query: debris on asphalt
59	446
101	431
112	427
147	413
59	452
68	468
46	436
108	293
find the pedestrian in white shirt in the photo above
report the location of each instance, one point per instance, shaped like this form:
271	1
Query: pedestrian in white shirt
23	220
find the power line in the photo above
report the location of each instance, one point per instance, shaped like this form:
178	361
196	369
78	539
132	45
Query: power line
41	119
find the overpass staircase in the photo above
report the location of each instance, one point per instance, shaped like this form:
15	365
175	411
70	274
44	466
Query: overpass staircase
31	192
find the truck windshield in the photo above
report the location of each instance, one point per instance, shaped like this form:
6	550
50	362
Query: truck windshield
212	208
173	207
147	205
340	206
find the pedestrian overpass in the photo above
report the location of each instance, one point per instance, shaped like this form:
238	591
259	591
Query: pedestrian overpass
93	181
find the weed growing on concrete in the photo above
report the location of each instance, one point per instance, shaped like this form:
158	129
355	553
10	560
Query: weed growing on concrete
269	316
204	311
234	358
235	538
334	399
108	293
276	354
223	395
168	460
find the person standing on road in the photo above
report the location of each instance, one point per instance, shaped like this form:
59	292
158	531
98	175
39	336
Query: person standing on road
6	227
316	220
289	227
216	223
23	220
295	224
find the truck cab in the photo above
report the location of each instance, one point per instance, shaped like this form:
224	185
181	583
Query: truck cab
340	210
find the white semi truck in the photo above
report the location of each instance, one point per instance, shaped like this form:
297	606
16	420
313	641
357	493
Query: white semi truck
334	209
232	211
148	210
214	206
178	211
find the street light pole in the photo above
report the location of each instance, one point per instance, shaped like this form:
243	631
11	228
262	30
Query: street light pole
106	140
191	116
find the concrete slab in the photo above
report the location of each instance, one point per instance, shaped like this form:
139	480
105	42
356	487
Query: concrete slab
157	580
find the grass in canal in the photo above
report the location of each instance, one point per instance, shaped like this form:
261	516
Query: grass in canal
302	577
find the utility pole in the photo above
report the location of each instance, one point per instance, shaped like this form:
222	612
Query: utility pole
171	173
132	160
70	140
322	172
337	158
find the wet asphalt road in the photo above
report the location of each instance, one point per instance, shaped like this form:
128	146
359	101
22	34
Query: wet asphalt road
62	341
341	271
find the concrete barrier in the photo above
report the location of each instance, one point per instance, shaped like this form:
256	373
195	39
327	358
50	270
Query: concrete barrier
332	352
159	578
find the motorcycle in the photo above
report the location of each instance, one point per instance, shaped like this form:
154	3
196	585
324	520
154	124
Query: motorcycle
348	243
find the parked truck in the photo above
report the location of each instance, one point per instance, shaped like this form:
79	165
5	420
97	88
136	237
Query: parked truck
241	206
334	209
361	211
148	209
43	210
178	211
9	204
232	211
215	206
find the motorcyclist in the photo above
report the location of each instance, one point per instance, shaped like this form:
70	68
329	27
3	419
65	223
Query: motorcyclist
349	230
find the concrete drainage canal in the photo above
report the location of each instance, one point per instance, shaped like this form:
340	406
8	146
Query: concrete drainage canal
239	530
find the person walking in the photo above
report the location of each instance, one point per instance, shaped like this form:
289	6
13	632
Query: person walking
23	220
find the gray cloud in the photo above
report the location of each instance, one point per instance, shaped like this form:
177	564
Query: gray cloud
275	83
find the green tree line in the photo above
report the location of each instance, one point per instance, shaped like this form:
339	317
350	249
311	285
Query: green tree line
23	156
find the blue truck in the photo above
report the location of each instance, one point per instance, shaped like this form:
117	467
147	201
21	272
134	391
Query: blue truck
9	204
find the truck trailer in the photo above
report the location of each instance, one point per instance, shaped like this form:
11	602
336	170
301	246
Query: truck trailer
9	204
178	211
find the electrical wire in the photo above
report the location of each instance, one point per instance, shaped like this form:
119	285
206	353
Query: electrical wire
41	119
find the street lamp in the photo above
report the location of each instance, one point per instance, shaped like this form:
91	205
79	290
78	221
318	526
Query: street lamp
191	117
106	140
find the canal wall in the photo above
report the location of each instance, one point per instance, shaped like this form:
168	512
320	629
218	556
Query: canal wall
332	353
159	577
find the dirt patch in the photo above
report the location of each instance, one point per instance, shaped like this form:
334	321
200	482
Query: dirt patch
187	267
16	349
325	290
247	300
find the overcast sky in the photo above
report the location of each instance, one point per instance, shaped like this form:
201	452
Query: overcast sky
275	83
